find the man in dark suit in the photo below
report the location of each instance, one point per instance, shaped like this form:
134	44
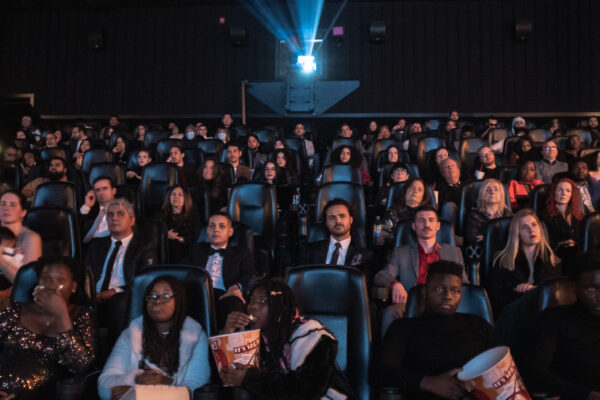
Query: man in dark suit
230	267
339	249
92	214
114	261
589	189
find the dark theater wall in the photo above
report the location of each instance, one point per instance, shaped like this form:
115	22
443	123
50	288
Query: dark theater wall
438	55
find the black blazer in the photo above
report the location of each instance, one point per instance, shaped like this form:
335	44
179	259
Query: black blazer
238	263
137	256
316	253
87	220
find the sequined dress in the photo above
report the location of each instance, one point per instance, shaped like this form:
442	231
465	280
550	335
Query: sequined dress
29	360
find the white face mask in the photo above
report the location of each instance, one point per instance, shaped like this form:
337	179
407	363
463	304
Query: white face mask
222	136
189	135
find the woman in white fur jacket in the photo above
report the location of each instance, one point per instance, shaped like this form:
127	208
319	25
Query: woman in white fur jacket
162	347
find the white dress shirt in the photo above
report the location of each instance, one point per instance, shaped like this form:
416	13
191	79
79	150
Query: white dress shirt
102	226
343	250
214	266
117	279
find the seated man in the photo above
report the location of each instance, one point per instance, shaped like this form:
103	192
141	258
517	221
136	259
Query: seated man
422	355
57	172
309	146
339	249
114	261
488	169
187	171
234	154
589	188
92	214
449	188
409	264
565	358
258	159
549	165
230	267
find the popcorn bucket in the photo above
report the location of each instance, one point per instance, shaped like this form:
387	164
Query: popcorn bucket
239	347
494	376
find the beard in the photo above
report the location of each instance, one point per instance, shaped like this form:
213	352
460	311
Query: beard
55	176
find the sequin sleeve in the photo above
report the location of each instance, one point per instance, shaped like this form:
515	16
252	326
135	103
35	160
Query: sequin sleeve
77	345
8	317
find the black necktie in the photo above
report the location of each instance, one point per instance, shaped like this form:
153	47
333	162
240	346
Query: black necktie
215	251
336	254
109	266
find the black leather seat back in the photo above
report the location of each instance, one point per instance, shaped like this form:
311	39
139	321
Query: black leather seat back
474	300
57	194
95	156
468	153
193	156
114	171
156	179
585	136
58	229
242	236
350	192
426	144
11	174
383	144
153	137
405	235
341	173
154	231
266	136
164	147
591	232
539	197
556	292
53	152
539	135
497	135
337	296
210	147
495	235
198	285
296	144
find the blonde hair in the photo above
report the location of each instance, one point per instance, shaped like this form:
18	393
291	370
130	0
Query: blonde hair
481	203
506	257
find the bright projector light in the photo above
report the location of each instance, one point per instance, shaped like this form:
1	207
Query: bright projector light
307	63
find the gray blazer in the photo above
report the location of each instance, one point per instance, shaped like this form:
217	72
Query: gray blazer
404	265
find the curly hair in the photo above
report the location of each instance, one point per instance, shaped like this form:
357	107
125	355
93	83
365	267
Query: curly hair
355	156
283	320
163	350
575	206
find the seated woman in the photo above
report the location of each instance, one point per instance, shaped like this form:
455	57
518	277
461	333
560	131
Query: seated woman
210	179
286	175
398	173
565	358
524	151
297	356
165	337
490	205
29	243
346	155
392	157
120	153
526	260
140	136
563	217
183	222
413	195
42	340
524	185
78	157
134	174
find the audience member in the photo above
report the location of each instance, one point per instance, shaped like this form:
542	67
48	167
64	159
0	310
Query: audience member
491	204
139	137
563	217
565	356
163	336
92	214
589	189
297	356
230	267
78	134
517	122
409	264
120	152
53	334
257	159
112	127
398	173
449	188
549	165
518	189
309	146
574	146
182	220
211	180
241	172
488	168
186	170
421	356
134	174
29	243
347	155
339	249
286	174
57	172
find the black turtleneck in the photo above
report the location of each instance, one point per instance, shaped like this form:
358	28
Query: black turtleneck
430	345
565	359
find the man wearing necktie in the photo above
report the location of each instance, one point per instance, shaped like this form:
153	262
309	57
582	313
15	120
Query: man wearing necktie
114	261
230	267
339	249
93	212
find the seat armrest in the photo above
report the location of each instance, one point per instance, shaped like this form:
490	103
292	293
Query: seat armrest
390	394
380	293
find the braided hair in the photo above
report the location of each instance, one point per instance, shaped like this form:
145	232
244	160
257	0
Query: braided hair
163	350
283	320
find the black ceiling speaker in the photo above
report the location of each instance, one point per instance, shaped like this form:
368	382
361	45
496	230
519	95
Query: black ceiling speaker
377	31
96	40
523	30
238	36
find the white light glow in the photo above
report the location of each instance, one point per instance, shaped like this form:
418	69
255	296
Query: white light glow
307	63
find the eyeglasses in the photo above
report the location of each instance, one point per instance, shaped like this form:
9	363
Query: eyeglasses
163	298
548	148
400	171
441	155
